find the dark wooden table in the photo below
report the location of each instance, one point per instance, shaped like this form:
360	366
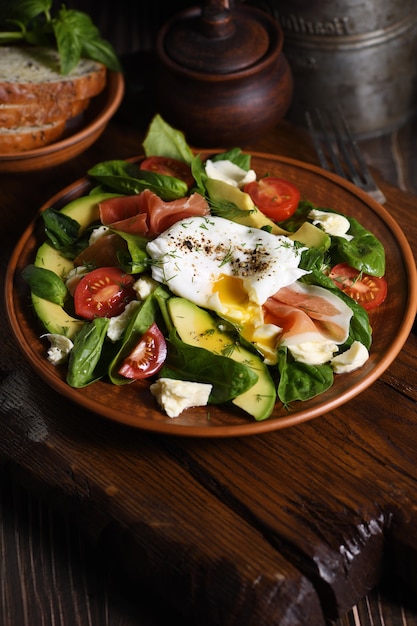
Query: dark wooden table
102	524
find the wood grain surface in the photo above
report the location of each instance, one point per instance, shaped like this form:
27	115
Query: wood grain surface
103	524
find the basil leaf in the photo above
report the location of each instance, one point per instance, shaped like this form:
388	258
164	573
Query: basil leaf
72	32
228	377
301	381
101	50
86	353
27	10
45	284
77	36
67	27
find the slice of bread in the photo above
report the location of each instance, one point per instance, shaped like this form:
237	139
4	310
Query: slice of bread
17	115
29	137
30	75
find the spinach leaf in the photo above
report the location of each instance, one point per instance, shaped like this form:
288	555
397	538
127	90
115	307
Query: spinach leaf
312	258
236	156
293	223
364	252
199	174
301	381
141	320
228	377
125	177
45	284
85	355
162	295
163	140
61	230
136	260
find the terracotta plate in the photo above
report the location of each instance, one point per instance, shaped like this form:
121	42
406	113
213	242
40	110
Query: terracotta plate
80	134
134	405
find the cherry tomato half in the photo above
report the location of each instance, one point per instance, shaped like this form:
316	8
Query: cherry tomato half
368	291
104	292
276	198
147	357
168	167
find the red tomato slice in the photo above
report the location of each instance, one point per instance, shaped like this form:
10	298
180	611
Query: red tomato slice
104	292
368	291
168	167
147	357
276	198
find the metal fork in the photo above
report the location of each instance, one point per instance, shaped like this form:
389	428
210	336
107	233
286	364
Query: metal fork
337	150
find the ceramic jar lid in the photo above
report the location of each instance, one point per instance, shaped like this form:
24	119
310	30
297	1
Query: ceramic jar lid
217	40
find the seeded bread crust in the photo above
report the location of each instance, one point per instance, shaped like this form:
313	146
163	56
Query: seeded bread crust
30	75
29	137
17	115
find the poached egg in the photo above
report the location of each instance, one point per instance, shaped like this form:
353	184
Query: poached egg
225	267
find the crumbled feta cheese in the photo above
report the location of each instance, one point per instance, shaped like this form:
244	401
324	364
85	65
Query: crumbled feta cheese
60	348
174	396
332	223
350	360
229	173
118	323
313	352
97	233
74	276
144	286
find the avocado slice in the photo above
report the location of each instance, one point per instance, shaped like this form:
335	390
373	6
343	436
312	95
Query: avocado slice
55	319
311	236
197	327
219	190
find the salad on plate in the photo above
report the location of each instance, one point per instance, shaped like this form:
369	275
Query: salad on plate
206	280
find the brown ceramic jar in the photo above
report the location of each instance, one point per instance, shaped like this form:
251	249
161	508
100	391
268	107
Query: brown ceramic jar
222	76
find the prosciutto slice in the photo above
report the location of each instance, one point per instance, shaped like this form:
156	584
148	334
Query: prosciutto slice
308	313
146	214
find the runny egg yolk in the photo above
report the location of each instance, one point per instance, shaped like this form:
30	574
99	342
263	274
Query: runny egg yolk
236	307
231	292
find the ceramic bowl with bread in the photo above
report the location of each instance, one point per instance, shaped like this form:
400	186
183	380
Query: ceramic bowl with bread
43	111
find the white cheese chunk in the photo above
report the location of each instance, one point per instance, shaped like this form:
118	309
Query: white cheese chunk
144	286
118	323
352	359
229	172
313	352
174	396
332	223
60	348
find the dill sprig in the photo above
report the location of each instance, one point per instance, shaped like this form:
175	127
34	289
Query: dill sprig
228	210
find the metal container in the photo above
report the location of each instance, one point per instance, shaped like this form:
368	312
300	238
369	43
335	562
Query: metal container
359	54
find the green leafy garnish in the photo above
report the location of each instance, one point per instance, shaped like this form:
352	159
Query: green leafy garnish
163	140
70	31
45	284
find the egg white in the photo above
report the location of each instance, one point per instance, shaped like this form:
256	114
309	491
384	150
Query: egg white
223	266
